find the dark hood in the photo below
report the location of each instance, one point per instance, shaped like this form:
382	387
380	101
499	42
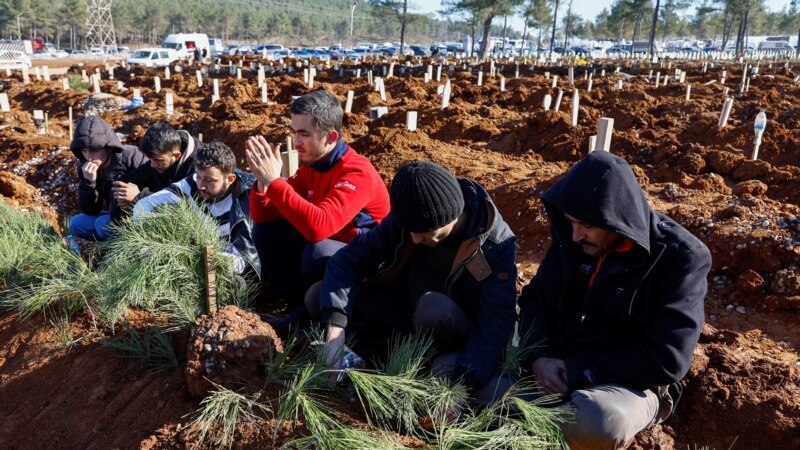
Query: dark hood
92	131
601	190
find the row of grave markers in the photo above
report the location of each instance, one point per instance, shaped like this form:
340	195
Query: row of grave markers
443	90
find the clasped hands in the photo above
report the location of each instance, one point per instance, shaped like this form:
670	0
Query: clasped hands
264	160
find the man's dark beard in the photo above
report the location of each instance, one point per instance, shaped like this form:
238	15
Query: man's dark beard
215	199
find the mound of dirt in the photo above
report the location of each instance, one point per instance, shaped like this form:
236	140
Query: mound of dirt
228	348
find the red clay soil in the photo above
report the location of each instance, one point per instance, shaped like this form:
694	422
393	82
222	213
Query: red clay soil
743	384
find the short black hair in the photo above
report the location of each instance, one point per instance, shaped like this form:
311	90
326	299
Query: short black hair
216	154
325	109
160	139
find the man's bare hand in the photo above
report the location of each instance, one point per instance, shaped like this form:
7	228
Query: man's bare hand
264	160
551	374
124	193
89	170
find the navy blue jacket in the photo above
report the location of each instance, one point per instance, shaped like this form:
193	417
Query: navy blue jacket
481	282
640	319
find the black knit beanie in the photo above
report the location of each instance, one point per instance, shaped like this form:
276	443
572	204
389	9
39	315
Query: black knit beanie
425	196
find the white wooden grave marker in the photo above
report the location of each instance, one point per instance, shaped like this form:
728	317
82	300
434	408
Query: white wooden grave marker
46	73
502	83
96	83
4	105
559	96
548	100
480	78
348	104
555	81
575	107
157	84
264	93
199	78
170	102
688	91
167	73
216	88
411	121
604	131
446	95
38	119
725	113
65	84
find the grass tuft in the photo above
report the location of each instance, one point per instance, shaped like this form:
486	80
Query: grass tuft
221	413
37	270
150	349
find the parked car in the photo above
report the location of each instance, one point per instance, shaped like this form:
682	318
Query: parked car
420	50
276	54
96	51
619	48
153	57
302	54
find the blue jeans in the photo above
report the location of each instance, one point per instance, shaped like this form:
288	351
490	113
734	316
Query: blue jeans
289	261
89	227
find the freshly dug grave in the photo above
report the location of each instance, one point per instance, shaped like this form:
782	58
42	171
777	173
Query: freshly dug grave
744	382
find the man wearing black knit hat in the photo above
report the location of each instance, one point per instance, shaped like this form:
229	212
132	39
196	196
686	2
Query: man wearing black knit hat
442	262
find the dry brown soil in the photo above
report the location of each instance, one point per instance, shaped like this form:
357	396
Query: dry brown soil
744	381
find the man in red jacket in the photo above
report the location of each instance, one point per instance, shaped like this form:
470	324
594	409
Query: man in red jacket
300	222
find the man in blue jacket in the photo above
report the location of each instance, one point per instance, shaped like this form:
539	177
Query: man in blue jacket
442	262
615	311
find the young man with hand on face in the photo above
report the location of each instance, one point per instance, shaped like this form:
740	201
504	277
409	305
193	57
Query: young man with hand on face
172	155
220	190
335	196
102	161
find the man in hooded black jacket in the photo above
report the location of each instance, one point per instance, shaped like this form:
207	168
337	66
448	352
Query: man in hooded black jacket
102	160
615	311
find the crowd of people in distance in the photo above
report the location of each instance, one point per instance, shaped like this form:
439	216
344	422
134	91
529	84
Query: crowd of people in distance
610	320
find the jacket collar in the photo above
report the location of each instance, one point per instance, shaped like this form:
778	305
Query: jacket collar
331	158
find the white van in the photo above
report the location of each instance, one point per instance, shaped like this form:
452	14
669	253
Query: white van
184	44
153	57
775	46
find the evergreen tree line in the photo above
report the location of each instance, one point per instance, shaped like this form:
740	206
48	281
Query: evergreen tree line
325	22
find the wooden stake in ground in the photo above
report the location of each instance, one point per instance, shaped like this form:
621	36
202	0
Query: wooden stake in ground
688	91
96	83
46	72
215	91
167	73
238	73
38	119
199	78
381	88
571	72
502	83
575	105
480	78
4	105
411	121
592	143
548	100
589	86
555	82
157	84
439	73
264	93
170	105
604	131
70	122
289	158
211	279
658	79
725	113
37	74
559	97
446	95
260	75
348	104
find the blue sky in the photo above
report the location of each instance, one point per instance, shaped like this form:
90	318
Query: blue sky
588	9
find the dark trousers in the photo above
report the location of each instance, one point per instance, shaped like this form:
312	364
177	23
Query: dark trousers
381	314
289	261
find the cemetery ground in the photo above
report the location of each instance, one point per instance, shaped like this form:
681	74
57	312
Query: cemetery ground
744	384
